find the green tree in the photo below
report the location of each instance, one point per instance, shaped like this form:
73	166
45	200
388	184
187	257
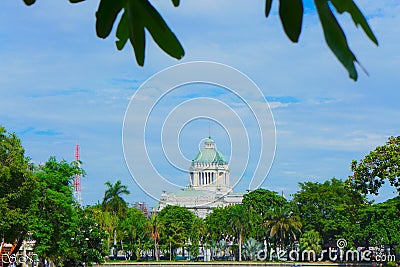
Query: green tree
38	201
311	240
107	220
263	201
329	207
155	235
176	224
238	224
87	241
379	225
140	15
284	227
196	236
380	165
54	210
113	201
261	204
216	224
229	223
135	230
115	204
17	190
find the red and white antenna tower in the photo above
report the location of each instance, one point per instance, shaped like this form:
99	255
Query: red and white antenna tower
77	179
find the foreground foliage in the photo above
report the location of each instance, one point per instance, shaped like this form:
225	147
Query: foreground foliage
139	16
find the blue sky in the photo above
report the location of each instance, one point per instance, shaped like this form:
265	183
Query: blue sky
61	85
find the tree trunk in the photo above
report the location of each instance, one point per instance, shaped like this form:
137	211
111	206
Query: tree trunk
138	251
170	251
240	246
156	250
108	243
17	245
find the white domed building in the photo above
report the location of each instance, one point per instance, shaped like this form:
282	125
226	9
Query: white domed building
209	185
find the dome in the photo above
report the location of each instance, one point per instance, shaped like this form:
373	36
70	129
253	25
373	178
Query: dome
209	154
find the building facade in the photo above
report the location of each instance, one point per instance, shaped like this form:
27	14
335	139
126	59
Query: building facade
209	184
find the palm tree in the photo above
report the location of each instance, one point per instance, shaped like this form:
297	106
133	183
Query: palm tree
283	226
113	202
106	219
238	222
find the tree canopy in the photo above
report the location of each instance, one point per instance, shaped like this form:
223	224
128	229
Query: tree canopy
328	207
37	203
176	225
135	232
379	224
113	201
55	215
140	15
17	189
380	165
284	226
263	201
